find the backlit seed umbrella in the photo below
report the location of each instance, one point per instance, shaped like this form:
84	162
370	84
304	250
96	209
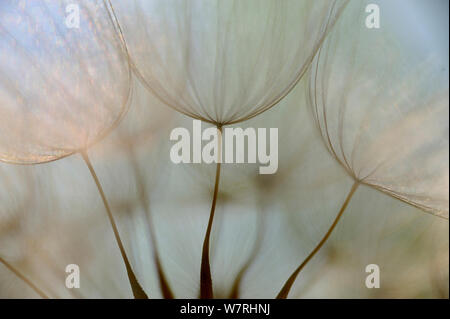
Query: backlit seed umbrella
65	82
223	62
382	109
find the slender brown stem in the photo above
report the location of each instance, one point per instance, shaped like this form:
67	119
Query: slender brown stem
236	287
206	289
25	279
138	292
287	286
142	190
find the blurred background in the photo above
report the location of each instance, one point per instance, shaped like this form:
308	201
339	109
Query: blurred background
51	214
